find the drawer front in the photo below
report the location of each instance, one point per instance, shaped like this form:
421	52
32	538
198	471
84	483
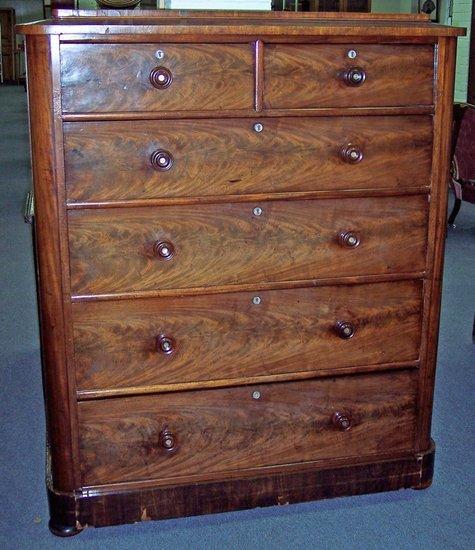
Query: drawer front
118	160
210	431
305	76
227	336
174	247
130	77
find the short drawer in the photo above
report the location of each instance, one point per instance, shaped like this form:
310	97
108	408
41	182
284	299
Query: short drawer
143	343
152	77
109	161
119	250
206	432
342	75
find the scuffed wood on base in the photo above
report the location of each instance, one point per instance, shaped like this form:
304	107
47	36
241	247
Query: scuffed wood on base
305	484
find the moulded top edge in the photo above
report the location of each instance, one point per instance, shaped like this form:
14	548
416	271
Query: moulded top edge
183	22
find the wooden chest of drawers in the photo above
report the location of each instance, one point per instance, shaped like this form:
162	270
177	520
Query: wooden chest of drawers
240	224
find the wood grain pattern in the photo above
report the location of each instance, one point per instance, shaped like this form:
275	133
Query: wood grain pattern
249	113
61	412
437	228
126	503
204	25
114	77
112	250
111	160
298	76
274	424
228	336
225	429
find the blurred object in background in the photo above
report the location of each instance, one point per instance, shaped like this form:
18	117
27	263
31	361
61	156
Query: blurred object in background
322	5
431	8
7	44
118	4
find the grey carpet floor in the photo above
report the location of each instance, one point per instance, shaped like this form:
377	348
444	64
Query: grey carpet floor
440	517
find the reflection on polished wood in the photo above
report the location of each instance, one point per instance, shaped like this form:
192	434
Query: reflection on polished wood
240	224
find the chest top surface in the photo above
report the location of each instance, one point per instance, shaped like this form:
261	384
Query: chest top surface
232	23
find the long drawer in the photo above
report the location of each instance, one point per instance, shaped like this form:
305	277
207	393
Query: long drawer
107	161
342	75
151	77
174	247
220	430
146	343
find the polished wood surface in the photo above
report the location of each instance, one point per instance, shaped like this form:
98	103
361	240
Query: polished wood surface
111	161
111	505
313	75
116	77
240	235
113	250
205	24
243	335
57	383
437	233
225	429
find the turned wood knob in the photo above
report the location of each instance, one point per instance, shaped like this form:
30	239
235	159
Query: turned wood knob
164	250
349	239
354	76
351	153
345	329
165	344
161	78
161	160
342	421
167	440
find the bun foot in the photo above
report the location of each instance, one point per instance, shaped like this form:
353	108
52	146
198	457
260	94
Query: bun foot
63	530
423	485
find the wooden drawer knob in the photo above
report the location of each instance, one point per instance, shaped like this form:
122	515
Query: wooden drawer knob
167	440
161	160
161	78
165	344
342	421
351	153
348	239
345	330
354	76
164	250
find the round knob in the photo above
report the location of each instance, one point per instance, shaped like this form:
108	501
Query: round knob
345	330
161	160
342	421
354	76
167	440
351	154
165	344
164	250
349	239
160	78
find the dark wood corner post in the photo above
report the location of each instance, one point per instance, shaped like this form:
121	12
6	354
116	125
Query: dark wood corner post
443	100
42	60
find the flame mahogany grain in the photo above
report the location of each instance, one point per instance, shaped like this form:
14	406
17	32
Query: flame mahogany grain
112	249
220	430
227	336
304	76
116	77
111	160
169	389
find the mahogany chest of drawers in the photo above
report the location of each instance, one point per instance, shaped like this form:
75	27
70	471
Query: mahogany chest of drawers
240	225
